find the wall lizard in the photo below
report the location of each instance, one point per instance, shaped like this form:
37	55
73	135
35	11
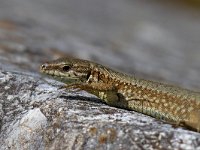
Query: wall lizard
173	104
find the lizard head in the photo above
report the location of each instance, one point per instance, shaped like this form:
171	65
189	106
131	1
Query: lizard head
68	70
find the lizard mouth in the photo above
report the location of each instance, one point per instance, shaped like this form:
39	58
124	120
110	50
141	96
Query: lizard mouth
67	78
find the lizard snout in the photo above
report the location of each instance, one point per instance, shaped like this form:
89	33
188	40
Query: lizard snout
43	66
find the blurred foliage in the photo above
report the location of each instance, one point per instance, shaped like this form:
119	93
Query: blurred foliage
189	3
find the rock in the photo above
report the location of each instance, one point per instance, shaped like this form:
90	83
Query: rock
36	114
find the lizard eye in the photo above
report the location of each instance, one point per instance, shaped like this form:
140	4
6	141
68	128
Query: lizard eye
66	68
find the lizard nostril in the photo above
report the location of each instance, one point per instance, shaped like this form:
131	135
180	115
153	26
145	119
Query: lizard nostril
44	66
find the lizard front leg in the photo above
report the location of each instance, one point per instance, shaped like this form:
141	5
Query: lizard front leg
105	92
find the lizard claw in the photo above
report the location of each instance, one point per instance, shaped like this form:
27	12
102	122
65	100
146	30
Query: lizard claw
61	87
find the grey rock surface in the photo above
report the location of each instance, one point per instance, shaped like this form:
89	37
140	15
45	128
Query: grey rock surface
151	39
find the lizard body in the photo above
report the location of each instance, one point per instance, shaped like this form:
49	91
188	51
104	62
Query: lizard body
162	101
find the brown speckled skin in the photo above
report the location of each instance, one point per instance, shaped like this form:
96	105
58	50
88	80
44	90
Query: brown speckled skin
173	104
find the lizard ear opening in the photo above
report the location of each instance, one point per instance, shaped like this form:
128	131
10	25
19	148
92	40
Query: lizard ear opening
66	68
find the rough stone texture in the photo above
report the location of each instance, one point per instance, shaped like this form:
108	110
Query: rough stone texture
152	39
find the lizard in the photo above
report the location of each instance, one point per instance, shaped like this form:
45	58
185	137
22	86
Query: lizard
166	102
